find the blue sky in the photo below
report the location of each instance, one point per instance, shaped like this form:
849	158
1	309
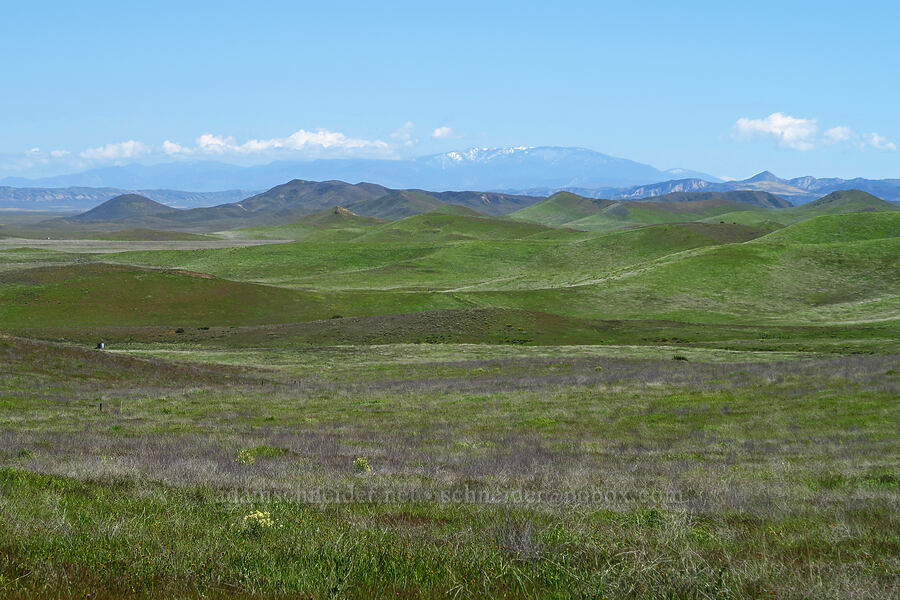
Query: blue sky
794	87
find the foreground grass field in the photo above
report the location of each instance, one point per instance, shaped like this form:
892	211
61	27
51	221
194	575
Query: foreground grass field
540	472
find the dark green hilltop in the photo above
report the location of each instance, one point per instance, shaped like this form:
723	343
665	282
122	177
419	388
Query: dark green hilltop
296	199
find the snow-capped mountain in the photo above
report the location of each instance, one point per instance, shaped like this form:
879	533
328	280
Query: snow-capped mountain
552	166
477	155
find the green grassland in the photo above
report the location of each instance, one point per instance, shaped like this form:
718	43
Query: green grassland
636	214
23	258
561	208
152	235
445	252
832	229
659	405
570	210
576	212
836	203
518	473
334	224
690	272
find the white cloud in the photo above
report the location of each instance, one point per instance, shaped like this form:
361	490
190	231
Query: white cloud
802	134
300	144
404	135
171	148
129	149
879	142
330	139
301	140
790	132
442	133
838	134
214	144
846	134
37	153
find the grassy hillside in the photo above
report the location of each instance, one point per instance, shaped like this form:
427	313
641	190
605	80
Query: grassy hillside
829	229
339	217
102	294
847	201
754	282
756	198
753	208
836	203
398	204
668	212
449	227
487	202
446	252
561	208
827	270
458	209
331	224
755	218
589	214
684	272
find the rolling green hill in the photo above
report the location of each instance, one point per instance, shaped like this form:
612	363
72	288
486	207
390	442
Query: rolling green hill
753	208
398	204
489	203
339	217
623	215
429	227
852	227
836	203
446	252
670	211
458	209
591	214
561	208
101	294
754	197
331	224
334	225
754	283
846	201
693	272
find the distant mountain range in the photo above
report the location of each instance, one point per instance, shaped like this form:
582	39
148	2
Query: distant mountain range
291	201
474	169
84	198
297	199
798	190
517	171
